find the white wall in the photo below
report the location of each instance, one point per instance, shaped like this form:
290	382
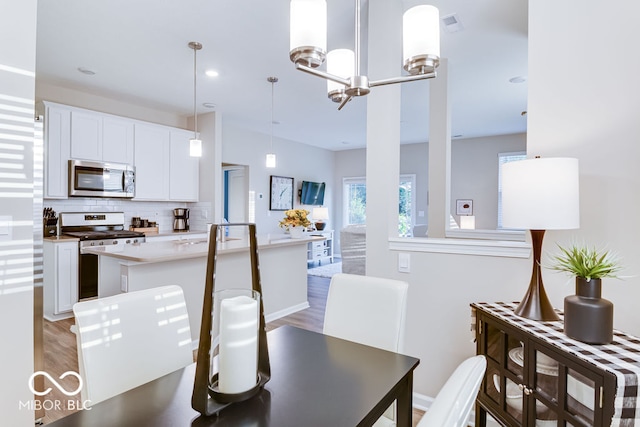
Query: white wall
474	174
474	170
595	119
105	104
17	87
299	161
571	113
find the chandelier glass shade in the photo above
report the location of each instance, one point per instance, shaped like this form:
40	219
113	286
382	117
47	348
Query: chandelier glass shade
308	49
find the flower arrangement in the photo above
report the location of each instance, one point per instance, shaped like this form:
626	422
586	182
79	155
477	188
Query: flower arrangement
295	218
585	262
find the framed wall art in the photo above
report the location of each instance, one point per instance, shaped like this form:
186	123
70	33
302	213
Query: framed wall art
464	207
281	193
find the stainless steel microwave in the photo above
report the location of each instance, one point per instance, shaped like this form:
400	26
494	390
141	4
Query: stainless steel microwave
96	179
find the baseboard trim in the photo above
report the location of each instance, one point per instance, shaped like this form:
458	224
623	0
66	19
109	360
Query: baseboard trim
423	403
285	312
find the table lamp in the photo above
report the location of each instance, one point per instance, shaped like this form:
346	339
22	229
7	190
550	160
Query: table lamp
468	222
538	195
319	215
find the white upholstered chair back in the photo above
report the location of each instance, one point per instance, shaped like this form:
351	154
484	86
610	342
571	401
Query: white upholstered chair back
453	404
370	311
130	339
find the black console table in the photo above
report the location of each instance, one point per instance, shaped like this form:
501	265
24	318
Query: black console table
537	376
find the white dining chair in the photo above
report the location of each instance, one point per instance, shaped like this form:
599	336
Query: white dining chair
129	339
368	310
453	404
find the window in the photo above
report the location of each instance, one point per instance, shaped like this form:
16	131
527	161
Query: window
502	159
355	202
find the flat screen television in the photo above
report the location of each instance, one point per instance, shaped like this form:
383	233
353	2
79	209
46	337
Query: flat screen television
312	193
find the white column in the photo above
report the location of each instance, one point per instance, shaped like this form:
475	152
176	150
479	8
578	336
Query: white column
439	151
383	133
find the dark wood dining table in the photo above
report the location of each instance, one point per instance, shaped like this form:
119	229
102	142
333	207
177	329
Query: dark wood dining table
316	380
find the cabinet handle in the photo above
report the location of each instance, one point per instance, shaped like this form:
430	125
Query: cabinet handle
601	396
528	391
521	387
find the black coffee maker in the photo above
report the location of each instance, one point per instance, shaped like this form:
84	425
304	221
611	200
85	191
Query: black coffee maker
181	219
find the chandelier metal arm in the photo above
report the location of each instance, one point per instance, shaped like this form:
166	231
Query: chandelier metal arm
323	74
344	102
402	79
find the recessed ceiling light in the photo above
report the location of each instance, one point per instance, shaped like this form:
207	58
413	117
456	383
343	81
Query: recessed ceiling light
208	105
86	71
212	73
518	79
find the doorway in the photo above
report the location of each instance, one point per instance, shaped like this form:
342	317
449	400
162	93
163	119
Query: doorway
235	196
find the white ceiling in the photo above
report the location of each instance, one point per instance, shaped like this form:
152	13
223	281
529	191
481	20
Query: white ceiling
138	49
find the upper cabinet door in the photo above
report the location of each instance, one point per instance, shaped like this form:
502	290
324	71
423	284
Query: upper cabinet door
117	140
152	162
184	171
86	135
57	149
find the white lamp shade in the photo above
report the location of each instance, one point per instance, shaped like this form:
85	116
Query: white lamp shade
340	62
421	32
195	147
468	222
308	24
271	160
320	214
541	194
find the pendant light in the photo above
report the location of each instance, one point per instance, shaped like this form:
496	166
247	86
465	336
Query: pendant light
195	143
271	156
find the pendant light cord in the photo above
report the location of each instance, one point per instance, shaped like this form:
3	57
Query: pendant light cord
273	81
195	115
272	91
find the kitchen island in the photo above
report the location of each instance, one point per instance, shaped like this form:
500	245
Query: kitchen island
283	271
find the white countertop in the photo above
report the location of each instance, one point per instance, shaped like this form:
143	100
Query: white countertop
184	249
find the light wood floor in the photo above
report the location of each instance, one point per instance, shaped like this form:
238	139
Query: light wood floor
61	355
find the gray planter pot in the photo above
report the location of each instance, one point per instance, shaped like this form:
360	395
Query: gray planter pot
587	316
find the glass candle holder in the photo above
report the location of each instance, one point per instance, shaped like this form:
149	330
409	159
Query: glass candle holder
234	345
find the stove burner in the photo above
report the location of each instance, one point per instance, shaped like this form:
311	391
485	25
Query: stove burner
105	234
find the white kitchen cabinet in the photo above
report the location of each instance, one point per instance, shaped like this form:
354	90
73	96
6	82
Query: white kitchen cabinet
60	279
86	135
101	137
57	150
117	140
183	169
151	160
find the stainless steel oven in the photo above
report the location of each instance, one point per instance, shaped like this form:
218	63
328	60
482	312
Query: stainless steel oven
95	229
96	179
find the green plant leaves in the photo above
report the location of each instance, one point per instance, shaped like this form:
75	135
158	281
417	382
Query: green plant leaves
583	261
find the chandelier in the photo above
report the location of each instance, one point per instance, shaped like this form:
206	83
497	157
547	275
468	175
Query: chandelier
308	49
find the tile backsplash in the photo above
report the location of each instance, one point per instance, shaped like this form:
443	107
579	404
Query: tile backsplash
160	212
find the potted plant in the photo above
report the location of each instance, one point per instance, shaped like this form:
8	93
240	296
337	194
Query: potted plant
295	221
587	316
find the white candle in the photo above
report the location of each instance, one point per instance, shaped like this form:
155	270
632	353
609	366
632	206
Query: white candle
238	351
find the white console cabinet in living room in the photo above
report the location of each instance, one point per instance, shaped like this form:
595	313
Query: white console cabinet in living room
60	280
320	250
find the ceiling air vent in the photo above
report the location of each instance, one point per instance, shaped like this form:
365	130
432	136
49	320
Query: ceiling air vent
452	23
